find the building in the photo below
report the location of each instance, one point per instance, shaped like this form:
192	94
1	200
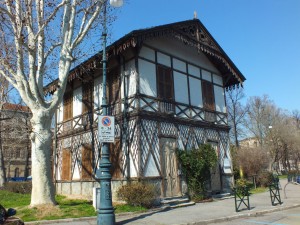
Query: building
166	90
14	140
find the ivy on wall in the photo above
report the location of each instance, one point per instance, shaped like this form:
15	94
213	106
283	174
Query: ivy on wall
196	165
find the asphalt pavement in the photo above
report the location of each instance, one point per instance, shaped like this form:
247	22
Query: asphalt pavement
219	210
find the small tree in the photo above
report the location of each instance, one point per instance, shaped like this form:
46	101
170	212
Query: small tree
196	165
252	160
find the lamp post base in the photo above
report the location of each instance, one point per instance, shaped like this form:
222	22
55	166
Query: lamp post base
106	217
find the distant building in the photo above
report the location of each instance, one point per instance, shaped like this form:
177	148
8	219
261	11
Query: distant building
14	140
251	142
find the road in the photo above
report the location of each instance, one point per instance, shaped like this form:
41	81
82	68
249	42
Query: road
285	217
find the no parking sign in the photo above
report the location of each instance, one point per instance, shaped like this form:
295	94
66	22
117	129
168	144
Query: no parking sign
106	128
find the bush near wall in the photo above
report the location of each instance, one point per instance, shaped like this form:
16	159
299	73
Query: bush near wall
196	165
138	194
18	187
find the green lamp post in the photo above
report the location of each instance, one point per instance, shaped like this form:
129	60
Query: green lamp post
106	215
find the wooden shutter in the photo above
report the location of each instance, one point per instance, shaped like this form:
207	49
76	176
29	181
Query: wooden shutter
87	97
68	106
114	86
165	83
116	159
208	95
87	162
66	164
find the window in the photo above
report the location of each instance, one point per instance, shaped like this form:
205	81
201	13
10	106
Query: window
68	100
87	162
114	88
208	101
66	164
17	172
87	97
208	95
165	83
165	88
68	110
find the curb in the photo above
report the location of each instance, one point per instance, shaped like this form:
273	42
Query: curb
230	218
203	222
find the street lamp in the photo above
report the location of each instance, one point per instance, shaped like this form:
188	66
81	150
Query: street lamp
106	215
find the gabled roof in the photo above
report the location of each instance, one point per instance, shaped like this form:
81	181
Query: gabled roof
190	32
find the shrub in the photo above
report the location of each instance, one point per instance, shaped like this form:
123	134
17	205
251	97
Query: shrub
138	194
264	179
242	183
18	187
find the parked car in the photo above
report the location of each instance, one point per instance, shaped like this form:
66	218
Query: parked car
20	179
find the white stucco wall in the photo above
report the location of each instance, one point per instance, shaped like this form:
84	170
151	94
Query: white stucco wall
97	92
60	112
182	51
150	169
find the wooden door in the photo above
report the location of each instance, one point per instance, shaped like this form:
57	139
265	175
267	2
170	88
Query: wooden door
169	167
87	162
66	164
216	184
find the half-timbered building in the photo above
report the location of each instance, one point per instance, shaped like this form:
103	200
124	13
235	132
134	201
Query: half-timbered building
165	87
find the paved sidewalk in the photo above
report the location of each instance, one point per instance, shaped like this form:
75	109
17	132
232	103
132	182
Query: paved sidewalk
201	213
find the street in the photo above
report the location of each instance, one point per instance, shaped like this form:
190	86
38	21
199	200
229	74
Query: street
285	217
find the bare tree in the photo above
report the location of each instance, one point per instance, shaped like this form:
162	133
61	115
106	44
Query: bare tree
252	160
284	142
4	92
39	38
259	117
236	113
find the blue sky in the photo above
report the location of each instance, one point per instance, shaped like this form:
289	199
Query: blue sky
262	37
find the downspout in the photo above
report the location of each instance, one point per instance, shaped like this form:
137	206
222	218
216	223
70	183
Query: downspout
125	122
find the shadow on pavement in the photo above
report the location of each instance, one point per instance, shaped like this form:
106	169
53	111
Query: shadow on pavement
129	220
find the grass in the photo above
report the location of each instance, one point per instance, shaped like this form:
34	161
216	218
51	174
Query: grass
66	208
258	190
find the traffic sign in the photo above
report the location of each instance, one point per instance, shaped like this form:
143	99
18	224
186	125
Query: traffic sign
106	129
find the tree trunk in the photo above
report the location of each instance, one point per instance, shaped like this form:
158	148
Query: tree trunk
2	171
41	141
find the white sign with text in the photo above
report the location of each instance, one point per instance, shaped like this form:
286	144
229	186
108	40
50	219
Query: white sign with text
106	129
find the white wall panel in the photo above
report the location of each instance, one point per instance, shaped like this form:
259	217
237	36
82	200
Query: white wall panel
151	170
76	172
220	99
60	112
98	92
196	92
77	102
147	75
133	172
181	88
188	53
131	71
